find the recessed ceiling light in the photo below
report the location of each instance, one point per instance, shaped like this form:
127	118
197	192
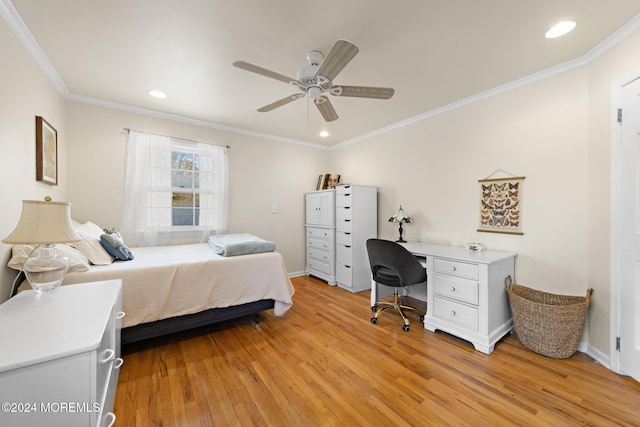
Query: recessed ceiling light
158	94
560	29
324	134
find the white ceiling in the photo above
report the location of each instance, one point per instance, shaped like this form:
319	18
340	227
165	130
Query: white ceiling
433	52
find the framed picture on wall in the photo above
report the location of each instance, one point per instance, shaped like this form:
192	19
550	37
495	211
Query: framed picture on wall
46	152
501	205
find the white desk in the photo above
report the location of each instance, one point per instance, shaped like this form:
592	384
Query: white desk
465	292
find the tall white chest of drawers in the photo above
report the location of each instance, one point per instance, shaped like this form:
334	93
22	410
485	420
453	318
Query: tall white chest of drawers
60	356
320	222
356	221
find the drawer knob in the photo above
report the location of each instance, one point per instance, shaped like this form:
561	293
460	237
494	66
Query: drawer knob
453	312
453	268
453	289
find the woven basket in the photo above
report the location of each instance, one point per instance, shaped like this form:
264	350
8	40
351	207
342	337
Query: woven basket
546	323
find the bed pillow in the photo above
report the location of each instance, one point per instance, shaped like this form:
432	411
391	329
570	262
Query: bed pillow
77	260
112	242
90	244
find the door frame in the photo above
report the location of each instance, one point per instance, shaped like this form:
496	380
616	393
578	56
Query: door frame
615	229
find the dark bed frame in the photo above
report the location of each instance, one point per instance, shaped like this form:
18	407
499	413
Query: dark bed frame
145	331
172	325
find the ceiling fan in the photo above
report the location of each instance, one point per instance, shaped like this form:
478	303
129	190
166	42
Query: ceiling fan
316	80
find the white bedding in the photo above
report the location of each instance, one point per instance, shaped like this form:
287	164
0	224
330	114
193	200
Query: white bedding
168	281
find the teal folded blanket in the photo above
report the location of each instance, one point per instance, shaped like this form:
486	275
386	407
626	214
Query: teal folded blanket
240	244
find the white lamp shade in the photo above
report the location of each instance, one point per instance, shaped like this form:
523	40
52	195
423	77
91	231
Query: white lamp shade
43	223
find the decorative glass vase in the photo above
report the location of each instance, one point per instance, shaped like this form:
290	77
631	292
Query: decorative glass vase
45	271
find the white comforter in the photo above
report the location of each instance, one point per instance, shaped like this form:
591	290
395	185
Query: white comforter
168	281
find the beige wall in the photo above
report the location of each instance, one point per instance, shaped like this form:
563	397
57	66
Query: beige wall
262	173
24	93
557	133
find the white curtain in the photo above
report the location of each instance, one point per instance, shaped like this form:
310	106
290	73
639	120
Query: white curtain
147	213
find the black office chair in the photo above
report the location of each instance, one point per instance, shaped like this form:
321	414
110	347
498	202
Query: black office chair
393	265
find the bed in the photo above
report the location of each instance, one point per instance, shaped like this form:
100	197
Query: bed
170	289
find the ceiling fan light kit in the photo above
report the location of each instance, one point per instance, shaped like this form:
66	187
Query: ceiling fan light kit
316	80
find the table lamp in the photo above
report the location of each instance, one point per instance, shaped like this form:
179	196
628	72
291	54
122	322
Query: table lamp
44	224
401	216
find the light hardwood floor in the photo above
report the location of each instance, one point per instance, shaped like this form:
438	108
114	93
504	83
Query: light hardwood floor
325	364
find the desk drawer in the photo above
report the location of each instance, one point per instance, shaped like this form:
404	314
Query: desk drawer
457	313
456	268
456	288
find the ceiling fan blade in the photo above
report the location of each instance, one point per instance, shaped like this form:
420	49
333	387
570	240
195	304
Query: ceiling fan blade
363	91
326	109
281	102
340	55
263	71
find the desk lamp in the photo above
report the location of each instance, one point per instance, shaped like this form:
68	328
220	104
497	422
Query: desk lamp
401	216
44	224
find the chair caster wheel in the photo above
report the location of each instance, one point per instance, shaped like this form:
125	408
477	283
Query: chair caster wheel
374	307
422	317
374	320
405	328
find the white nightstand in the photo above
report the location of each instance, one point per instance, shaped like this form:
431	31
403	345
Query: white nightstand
60	356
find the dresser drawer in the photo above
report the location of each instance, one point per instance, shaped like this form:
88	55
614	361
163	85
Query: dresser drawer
316	244
343	238
344	254
456	288
460	314
343	213
319	266
343	225
456	268
319	233
319	255
344	274
343	199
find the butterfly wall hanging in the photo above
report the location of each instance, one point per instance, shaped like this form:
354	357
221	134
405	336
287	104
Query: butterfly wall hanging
501	205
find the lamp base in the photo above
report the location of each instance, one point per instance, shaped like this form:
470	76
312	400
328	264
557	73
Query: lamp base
46	270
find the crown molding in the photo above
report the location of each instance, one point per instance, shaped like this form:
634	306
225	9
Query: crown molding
18	26
188	120
15	22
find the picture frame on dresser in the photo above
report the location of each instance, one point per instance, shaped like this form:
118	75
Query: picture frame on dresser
46	152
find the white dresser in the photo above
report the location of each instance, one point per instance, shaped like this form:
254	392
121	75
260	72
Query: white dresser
320	222
465	292
356	221
60	356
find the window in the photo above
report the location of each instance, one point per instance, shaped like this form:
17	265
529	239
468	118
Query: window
173	186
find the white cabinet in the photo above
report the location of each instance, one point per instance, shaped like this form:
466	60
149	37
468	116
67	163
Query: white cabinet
356	221
320	208
60	356
321	235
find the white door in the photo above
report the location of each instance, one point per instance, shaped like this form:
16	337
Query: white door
629	222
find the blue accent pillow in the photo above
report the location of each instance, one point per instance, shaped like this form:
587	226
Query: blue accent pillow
112	242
